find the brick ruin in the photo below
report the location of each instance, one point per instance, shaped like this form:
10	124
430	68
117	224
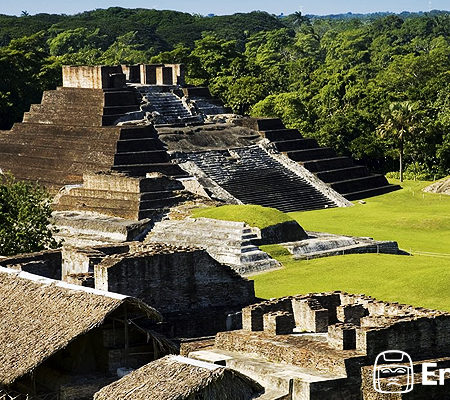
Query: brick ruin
324	345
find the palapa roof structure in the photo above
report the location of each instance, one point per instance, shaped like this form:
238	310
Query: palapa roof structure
180	378
40	316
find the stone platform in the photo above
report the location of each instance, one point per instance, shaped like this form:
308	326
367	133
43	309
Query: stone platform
228	242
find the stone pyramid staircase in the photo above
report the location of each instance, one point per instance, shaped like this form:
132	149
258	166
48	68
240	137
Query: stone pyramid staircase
254	177
203	102
66	136
227	241
340	173
168	104
85	107
140	151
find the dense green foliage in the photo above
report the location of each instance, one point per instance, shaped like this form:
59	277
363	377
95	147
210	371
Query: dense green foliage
335	79
420	223
254	215
24	217
160	30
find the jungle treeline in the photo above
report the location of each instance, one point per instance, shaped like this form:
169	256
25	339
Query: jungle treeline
372	87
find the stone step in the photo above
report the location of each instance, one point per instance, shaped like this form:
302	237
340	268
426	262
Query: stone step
311	154
117	195
114	203
140	157
78	96
109	120
328	164
281	134
134	145
218	245
121	97
359	184
84	240
341	174
360	248
59	145
362	194
74	163
205	225
139	132
266	124
95	223
120	109
296	144
108	208
46	130
57	109
73	119
213	232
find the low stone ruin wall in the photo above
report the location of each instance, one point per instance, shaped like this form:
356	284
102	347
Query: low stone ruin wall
44	263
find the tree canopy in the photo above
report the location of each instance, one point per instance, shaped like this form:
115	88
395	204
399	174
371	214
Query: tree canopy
24	217
333	78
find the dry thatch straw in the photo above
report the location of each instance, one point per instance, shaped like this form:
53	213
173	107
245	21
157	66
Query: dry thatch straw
40	316
180	378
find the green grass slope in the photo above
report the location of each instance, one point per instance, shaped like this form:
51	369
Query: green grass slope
420	222
253	215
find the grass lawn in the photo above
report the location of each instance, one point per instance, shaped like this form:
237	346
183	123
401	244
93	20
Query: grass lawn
418	221
253	215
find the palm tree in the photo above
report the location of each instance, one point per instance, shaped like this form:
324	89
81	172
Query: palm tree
400	123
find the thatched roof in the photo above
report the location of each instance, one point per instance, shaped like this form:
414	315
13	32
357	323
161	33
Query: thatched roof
39	316
180	378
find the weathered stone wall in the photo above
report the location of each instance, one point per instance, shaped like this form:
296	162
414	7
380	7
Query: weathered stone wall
78	263
174	281
93	77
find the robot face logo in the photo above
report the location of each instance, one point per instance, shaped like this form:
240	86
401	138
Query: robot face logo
391	368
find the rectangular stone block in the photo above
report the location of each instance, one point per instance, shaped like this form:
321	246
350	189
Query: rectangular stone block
252	318
310	316
92	77
278	323
342	336
351	313
148	73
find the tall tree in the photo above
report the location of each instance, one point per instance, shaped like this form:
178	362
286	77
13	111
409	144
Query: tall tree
400	124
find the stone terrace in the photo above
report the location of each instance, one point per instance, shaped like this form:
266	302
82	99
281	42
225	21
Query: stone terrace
352	181
252	176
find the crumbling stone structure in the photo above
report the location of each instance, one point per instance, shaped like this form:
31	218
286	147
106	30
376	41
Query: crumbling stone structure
193	291
324	345
162	74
